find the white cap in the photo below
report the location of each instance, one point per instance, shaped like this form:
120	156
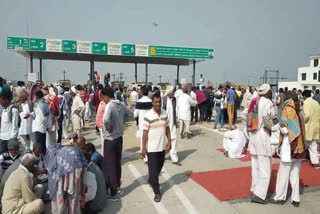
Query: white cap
263	89
169	90
74	90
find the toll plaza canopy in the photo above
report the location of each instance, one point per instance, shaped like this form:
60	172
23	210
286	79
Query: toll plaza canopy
59	49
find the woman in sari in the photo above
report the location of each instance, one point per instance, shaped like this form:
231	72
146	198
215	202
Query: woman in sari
66	168
292	151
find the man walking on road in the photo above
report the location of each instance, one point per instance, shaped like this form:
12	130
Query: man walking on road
311	110
184	111
156	139
115	114
169	104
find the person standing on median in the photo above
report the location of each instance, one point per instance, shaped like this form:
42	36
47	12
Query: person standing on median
156	139
115	114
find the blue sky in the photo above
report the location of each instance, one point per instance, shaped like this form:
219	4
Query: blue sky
248	36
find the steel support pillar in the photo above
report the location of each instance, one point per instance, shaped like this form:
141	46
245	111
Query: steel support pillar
194	73
31	63
146	74
40	70
136	73
91	71
178	68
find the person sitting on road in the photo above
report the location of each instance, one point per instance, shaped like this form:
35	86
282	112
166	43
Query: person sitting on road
96	189
81	142
234	142
22	198
8	157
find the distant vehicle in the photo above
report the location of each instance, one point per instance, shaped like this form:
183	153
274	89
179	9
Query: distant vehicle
65	83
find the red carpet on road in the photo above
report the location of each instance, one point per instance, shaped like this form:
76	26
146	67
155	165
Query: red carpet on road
235	183
247	157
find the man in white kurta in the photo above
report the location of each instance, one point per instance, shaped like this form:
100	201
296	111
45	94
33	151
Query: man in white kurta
77	111
234	142
260	148
169	104
25	129
184	103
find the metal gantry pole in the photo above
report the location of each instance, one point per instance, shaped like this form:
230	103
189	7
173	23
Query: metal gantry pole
194	73
91	71
178	67
31	63
136	73
146	74
40	70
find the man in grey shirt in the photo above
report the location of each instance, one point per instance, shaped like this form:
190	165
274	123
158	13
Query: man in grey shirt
115	115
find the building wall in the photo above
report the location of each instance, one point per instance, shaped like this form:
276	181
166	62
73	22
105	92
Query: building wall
290	85
309	72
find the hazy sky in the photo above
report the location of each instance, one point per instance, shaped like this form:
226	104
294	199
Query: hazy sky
248	36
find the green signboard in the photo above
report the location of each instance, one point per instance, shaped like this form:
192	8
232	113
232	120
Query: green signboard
99	48
18	43
87	47
179	52
69	46
128	50
38	44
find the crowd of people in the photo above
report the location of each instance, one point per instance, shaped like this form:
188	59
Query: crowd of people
44	149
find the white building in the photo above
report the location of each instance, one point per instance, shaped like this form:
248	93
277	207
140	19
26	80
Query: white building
308	77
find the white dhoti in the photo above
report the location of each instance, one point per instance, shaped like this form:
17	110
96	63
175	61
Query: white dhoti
173	151
313	151
261	173
101	141
184	127
65	125
288	170
51	138
77	124
87	113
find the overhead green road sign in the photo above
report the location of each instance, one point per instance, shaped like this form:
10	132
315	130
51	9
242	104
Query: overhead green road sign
38	44
19	43
180	52
104	48
99	48
128	50
69	46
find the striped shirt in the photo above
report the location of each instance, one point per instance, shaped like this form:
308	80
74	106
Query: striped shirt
156	127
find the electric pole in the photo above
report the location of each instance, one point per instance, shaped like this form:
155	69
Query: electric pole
120	76
64	75
160	78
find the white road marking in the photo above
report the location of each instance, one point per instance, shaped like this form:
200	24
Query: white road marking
159	206
129	154
182	197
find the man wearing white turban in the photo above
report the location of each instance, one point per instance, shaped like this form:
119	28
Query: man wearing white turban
260	145
77	111
169	104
